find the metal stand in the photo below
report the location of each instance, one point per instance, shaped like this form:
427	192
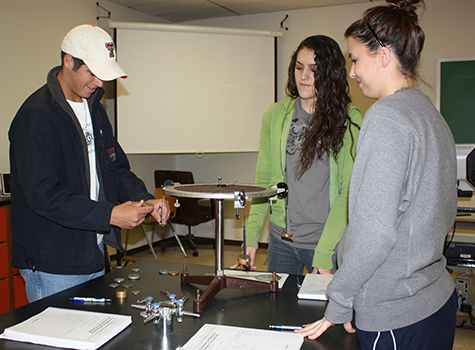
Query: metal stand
219	281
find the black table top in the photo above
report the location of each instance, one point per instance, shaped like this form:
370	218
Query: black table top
234	307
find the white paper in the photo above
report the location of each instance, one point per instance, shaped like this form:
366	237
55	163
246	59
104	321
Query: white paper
218	337
68	328
256	276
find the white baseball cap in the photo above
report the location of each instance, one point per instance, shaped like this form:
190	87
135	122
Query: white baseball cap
95	47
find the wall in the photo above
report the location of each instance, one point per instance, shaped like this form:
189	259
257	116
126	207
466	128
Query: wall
449	29
39	26
32	31
448	25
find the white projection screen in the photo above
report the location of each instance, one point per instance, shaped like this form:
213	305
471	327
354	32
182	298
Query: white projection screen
198	90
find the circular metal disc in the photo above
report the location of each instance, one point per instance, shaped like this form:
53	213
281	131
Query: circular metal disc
133	276
217	191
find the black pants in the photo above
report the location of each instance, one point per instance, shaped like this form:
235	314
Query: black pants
436	332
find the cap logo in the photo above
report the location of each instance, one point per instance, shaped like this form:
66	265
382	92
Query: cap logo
110	47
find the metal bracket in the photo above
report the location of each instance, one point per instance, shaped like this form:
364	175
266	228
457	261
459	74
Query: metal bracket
239	201
282	23
108	12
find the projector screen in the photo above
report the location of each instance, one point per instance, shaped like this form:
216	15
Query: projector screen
199	90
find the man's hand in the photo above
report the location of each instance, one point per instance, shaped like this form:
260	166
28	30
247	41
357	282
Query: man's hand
251	253
316	329
129	214
161	211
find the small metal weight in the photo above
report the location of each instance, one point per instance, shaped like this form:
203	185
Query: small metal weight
244	261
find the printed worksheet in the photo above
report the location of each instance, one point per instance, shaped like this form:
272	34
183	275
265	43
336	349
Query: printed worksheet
218	337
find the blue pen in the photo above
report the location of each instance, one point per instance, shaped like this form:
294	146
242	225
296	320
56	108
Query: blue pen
281	327
92	300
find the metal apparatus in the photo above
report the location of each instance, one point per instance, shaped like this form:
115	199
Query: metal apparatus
161	313
220	192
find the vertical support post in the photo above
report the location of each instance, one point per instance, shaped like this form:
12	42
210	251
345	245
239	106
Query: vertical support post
219	236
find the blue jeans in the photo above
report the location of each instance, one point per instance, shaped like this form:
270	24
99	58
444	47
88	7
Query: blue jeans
436	332
39	284
284	258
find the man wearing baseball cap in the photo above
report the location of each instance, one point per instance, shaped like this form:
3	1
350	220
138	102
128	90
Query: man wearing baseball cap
71	185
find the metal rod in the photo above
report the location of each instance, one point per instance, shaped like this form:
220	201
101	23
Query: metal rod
219	237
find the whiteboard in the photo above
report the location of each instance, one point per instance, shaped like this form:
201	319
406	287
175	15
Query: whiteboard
192	92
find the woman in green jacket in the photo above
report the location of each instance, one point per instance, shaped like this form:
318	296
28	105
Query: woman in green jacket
307	141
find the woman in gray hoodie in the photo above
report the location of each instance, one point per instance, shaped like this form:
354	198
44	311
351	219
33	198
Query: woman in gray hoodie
402	199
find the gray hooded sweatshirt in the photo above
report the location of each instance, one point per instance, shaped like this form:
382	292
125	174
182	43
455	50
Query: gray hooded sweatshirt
402	204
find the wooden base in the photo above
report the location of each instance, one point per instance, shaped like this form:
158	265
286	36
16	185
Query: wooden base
216	283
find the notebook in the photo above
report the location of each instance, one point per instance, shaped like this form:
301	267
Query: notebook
68	328
314	287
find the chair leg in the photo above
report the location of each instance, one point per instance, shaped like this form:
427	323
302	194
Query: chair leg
189	239
149	243
125	248
178	240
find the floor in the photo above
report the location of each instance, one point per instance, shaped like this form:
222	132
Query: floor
206	255
464	337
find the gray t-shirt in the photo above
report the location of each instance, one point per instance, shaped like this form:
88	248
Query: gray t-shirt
308	202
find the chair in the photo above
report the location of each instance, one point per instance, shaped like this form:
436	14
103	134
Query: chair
190	213
150	221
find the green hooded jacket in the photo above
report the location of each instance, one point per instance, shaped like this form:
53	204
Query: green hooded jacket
270	171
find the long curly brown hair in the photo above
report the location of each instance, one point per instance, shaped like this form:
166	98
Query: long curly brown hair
330	119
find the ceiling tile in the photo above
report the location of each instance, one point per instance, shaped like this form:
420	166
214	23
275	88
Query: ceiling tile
133	3
174	7
190	10
198	15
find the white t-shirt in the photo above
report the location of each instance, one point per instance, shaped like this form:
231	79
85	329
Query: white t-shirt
81	110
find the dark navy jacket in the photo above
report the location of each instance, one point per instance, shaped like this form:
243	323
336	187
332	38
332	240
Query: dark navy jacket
54	221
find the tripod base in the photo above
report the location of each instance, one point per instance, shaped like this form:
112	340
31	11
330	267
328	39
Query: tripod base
216	283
